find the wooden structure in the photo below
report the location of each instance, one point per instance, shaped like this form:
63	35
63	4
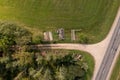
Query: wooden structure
73	35
48	36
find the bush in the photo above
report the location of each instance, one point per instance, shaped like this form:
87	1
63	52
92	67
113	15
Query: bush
83	38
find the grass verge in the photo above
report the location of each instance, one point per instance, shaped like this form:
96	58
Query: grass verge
116	70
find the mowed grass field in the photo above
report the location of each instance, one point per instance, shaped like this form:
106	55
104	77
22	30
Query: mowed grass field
93	17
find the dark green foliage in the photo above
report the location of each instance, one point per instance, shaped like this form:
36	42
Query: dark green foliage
66	61
5	43
12	34
15	33
25	65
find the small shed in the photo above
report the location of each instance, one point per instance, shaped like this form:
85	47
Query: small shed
48	36
73	34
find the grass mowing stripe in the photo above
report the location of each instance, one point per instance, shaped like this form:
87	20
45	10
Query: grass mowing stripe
89	15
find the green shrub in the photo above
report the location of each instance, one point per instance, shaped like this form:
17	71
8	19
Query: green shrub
83	38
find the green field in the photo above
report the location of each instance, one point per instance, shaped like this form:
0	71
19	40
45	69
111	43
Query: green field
116	70
94	17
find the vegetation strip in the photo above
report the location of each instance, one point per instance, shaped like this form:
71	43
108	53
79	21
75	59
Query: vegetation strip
116	70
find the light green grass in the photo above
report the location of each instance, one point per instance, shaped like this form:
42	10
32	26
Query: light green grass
94	17
86	56
116	70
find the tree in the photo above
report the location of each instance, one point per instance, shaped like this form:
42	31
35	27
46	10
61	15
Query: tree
19	34
11	34
23	58
5	43
60	73
67	60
